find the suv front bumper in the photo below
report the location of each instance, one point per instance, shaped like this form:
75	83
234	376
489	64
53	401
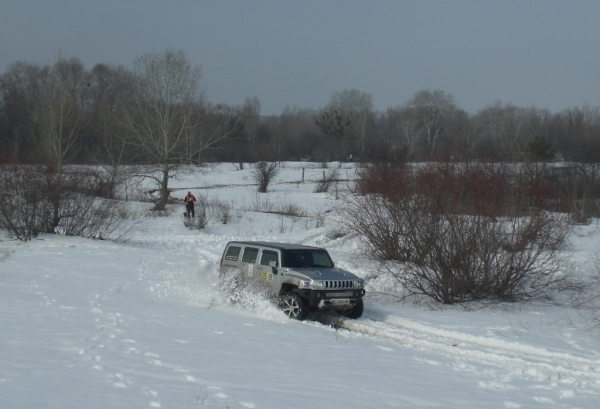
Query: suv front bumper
325	300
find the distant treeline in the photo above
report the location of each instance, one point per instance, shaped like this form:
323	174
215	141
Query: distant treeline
63	114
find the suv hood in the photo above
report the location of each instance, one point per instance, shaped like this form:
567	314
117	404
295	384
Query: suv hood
316	273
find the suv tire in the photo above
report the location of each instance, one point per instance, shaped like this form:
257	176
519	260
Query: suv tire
294	306
355	312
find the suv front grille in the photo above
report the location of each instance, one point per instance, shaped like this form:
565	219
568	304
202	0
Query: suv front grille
338	284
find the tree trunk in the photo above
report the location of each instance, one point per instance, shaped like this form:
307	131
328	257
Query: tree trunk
164	189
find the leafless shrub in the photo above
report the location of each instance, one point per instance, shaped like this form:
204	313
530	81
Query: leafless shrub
587	300
259	205
446	241
336	234
582	181
330	178
264	173
319	219
222	211
282	208
283	226
37	199
94	217
23	209
289	209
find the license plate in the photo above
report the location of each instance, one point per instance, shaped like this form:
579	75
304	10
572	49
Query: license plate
340	302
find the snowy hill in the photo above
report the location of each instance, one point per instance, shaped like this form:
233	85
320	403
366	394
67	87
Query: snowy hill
98	324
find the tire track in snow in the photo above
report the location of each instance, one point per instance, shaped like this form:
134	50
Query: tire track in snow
534	363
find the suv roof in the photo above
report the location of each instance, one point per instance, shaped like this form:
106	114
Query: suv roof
282	246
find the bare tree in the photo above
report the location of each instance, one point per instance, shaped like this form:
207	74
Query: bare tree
110	87
161	114
357	106
433	110
19	89
250	117
60	113
504	126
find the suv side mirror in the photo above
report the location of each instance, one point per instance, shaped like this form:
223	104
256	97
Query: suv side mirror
273	265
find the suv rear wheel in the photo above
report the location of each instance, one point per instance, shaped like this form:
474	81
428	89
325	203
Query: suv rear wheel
294	306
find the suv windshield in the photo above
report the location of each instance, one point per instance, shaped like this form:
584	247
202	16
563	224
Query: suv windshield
306	258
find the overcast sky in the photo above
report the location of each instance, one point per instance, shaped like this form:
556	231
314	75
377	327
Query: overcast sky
542	53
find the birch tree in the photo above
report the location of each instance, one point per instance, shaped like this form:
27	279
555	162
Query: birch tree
60	111
433	110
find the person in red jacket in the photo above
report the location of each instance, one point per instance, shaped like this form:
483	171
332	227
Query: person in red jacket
189	204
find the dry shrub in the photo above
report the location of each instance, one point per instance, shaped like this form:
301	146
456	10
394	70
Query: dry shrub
38	199
264	173
490	189
459	233
222	211
329	179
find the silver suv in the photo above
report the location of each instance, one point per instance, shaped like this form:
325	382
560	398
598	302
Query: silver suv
304	277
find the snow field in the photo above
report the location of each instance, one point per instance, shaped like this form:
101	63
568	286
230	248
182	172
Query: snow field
143	324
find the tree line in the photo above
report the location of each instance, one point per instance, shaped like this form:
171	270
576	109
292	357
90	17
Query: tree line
156	113
468	225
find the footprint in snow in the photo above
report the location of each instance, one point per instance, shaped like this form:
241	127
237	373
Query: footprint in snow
566	394
247	404
155	405
541	399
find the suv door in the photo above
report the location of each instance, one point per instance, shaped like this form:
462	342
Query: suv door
248	261
268	271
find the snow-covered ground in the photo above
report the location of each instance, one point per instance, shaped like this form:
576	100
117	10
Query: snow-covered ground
98	324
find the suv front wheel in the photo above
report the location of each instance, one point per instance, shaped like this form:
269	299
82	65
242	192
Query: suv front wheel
294	306
355	312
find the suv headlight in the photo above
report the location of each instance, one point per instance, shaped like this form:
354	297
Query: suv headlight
317	285
303	284
357	284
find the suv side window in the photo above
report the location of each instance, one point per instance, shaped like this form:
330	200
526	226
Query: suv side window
267	256
233	253
250	254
